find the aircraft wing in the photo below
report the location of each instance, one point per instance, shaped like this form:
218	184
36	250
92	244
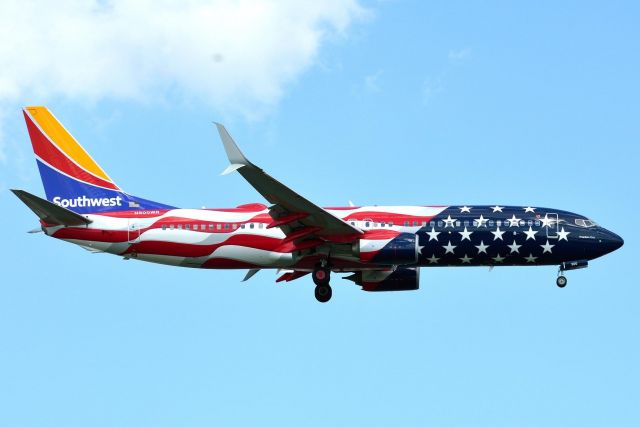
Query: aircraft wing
289	208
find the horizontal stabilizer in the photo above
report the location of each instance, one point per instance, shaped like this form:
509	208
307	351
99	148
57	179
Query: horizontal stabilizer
50	212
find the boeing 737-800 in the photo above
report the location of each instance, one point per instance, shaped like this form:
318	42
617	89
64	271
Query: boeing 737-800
381	247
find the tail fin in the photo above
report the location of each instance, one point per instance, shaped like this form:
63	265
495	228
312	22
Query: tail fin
71	178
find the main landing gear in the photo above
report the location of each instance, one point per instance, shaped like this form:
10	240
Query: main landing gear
321	276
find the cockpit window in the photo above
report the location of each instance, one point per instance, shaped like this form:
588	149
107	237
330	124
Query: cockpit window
585	223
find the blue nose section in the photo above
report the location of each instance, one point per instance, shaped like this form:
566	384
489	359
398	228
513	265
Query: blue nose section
611	241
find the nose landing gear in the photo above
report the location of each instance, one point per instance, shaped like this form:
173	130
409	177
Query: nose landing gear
321	276
561	281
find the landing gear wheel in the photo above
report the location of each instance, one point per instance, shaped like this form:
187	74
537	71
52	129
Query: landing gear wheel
323	293
561	281
321	276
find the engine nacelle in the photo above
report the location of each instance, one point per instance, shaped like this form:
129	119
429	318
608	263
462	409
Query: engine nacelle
385	249
400	279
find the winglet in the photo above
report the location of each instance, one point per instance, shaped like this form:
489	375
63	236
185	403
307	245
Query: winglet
236	158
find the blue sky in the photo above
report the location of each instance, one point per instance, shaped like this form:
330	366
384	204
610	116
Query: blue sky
398	102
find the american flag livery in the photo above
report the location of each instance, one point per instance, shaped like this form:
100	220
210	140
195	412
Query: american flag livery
381	247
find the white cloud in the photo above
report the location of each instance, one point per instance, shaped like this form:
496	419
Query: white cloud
431	87
237	56
459	55
372	82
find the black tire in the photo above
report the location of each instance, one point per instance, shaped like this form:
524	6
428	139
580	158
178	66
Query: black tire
323	293
561	281
321	276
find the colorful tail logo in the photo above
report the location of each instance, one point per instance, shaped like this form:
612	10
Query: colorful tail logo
71	178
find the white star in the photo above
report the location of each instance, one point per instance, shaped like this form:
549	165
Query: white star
547	247
449	247
466	259
562	235
513	222
498	258
531	258
482	247
531	234
465	234
497	208
465	209
420	248
433	234
449	222
529	209
433	259
480	222
548	222
514	247
498	234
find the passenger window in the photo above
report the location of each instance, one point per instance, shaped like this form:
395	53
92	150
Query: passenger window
218	226
440	224
187	226
529	223
390	223
537	223
210	227
251	225
457	223
498	223
466	223
235	226
226	226
432	223
490	223
195	227
164	226
416	223
242	226
353	223
179	226
171	227
366	224
522	223
406	223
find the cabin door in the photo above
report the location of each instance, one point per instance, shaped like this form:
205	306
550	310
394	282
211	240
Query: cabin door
552	228
133	231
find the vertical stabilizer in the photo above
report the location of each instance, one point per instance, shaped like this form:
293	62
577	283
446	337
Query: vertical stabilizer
71	178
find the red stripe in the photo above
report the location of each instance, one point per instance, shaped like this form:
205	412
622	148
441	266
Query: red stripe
44	149
226	263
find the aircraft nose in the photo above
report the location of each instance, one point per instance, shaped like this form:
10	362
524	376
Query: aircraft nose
611	240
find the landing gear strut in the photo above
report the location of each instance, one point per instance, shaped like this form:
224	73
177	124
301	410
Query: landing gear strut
321	276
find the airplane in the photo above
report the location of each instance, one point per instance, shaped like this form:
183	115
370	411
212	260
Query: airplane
381	248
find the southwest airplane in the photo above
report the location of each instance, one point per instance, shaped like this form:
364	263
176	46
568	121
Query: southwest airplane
383	247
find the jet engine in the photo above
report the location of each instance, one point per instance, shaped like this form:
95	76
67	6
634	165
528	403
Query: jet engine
400	279
397	249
